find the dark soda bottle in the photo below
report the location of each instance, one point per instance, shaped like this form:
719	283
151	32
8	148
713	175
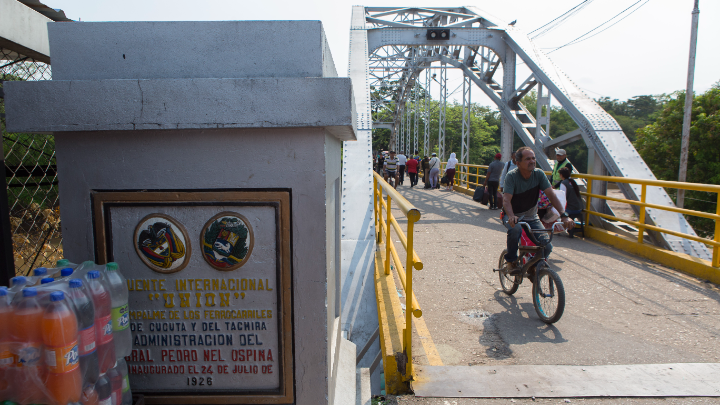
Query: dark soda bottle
87	348
104	390
103	321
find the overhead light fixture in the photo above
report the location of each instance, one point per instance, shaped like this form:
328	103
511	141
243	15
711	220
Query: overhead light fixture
437	34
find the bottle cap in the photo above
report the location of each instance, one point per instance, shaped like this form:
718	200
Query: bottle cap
57	296
29	292
88	263
19	280
75	283
3	291
93	274
47	280
40	271
112	266
66	271
62	263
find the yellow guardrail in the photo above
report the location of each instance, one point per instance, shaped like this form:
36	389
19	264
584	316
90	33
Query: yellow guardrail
640	223
461	170
412	261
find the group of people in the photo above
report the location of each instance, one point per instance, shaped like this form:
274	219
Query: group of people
395	166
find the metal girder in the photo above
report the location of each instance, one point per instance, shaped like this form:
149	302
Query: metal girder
465	139
442	112
416	123
496	44
426	115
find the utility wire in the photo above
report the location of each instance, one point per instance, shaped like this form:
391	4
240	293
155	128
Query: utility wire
561	19
584	37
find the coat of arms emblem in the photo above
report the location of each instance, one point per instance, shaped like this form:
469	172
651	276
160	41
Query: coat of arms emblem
161	243
227	241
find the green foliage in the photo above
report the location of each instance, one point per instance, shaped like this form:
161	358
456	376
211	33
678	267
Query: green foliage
659	145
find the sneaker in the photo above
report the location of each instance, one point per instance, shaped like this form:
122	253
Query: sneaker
512	268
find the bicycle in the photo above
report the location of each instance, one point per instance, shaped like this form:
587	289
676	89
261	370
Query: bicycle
547	291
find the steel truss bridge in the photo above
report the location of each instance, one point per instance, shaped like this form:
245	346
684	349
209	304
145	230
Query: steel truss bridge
398	49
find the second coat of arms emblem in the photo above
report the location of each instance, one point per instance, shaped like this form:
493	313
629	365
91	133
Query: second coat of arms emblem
227	241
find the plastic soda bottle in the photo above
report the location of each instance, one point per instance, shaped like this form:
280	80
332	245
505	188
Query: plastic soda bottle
104	390
87	348
26	330
66	272
126	393
120	313
60	336
89	395
18	282
6	357
115	384
103	321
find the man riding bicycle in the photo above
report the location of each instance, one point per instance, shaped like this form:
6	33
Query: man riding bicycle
390	167
520	195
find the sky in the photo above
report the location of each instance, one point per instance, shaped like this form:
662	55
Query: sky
646	53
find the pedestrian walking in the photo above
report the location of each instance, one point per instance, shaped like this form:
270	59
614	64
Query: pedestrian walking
402	160
450	171
434	165
425	165
510	165
492	180
412	170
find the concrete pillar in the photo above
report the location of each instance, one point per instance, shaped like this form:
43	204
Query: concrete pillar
507	133
153	141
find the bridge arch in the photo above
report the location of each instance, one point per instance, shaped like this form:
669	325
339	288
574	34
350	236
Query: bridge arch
479	44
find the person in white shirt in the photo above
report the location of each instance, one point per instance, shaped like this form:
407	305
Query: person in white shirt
450	171
434	171
402	159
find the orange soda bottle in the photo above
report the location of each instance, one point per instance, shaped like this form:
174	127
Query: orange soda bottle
62	360
27	338
6	357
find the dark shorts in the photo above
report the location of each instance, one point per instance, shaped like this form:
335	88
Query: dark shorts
390	173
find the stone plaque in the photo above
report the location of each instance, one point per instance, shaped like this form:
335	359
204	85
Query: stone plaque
214	319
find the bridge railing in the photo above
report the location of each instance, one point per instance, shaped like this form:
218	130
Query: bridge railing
383	196
467	175
640	223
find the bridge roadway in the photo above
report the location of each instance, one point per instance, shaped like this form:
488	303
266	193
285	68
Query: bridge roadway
620	309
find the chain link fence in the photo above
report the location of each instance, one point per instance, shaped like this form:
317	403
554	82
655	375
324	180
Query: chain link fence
31	178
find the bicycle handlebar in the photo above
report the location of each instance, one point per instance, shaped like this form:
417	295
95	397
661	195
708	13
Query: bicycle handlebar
530	232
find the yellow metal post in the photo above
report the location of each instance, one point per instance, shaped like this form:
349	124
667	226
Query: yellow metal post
409	297
587	204
641	230
376	208
716	249
387	237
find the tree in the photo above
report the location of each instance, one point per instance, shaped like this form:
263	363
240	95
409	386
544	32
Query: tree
659	145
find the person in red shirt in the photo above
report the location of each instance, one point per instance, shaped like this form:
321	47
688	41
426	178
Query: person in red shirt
412	168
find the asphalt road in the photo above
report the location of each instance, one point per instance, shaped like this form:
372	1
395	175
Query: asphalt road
620	309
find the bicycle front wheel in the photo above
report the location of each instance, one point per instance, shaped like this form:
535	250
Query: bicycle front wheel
508	283
548	295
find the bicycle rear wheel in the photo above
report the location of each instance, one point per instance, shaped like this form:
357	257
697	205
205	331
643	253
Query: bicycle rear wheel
548	295
508	283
